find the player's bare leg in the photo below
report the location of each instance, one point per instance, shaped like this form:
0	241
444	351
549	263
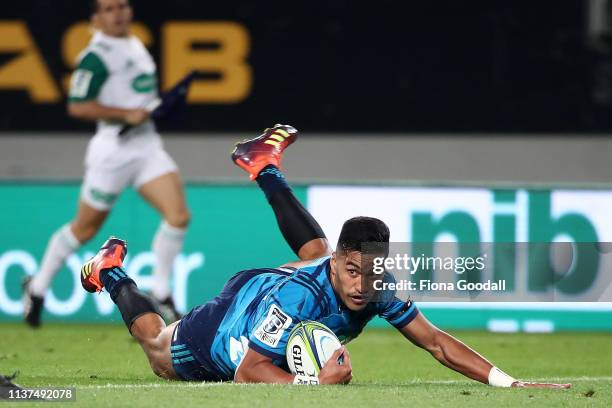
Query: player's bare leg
139	312
165	193
261	158
87	222
155	337
63	242
313	249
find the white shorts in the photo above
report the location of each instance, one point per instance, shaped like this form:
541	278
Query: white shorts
113	163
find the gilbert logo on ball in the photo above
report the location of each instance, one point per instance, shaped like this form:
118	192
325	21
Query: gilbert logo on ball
310	346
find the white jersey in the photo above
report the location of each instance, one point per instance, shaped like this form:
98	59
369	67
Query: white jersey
118	72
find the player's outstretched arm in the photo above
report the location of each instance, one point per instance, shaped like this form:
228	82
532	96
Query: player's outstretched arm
456	355
257	368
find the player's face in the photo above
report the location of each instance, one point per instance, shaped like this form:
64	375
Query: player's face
349	273
113	17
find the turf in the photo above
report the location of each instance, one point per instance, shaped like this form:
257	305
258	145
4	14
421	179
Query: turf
109	369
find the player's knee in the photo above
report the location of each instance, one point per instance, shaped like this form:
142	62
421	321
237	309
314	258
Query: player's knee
159	366
152	351
84	231
179	219
158	371
314	249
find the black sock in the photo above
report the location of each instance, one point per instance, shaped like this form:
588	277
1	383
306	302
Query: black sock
113	279
271	180
123	291
295	222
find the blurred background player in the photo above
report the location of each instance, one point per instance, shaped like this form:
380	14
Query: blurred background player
114	81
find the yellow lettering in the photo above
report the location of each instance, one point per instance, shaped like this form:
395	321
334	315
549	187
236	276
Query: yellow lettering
26	71
226	58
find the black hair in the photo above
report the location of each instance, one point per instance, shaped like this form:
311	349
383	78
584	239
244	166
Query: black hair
364	234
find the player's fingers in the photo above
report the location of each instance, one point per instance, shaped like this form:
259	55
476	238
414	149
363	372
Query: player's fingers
346	358
346	374
546	385
336	355
336	358
522	384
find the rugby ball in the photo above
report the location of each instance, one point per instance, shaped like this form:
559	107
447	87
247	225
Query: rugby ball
309	347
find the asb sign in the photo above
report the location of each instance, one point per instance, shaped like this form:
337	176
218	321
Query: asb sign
229	78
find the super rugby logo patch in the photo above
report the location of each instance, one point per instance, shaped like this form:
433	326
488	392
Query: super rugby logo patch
272	328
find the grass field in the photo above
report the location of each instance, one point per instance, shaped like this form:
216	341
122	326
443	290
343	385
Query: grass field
109	369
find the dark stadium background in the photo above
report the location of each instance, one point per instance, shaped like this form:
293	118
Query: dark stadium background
389	66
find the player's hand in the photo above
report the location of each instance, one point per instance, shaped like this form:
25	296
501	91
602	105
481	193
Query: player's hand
135	117
335	372
525	384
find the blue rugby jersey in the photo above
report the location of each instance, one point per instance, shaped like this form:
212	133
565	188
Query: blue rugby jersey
258	308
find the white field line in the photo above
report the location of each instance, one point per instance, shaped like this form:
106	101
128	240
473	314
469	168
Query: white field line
178	384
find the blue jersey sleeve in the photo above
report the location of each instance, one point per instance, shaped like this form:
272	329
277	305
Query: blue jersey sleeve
394	310
397	312
276	316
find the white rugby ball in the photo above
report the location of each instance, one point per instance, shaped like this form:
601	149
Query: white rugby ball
309	347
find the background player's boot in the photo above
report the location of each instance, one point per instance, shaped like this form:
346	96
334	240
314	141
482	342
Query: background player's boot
32	304
168	310
7	385
110	255
253	155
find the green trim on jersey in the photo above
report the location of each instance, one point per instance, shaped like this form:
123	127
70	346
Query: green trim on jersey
88	78
144	83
